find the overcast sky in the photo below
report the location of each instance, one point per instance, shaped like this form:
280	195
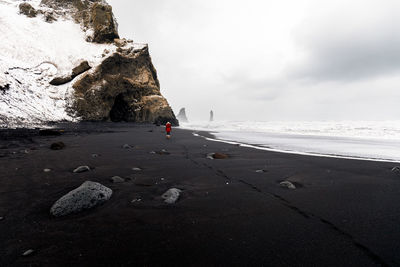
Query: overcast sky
272	59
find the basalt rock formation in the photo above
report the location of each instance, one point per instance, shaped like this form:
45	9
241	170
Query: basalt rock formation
124	87
91	74
95	16
182	115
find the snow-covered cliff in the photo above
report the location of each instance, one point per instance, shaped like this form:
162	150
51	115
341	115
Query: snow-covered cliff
45	40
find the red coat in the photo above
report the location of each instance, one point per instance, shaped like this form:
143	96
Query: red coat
168	127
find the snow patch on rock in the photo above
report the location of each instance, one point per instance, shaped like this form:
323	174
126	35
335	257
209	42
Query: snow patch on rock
32	52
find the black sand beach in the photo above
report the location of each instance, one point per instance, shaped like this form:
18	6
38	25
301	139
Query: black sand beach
343	212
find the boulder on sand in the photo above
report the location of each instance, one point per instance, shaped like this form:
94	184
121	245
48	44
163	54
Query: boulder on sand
81	169
396	170
217	156
172	195
88	195
287	184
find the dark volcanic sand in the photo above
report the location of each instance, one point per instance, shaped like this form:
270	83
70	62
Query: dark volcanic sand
344	212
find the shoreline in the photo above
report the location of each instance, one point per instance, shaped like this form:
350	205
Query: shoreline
229	212
209	136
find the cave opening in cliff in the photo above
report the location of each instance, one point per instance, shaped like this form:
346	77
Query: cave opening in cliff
120	110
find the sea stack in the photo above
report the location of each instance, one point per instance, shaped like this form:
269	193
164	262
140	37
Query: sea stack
211	115
182	115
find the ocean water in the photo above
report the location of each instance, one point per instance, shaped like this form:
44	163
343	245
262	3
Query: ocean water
368	140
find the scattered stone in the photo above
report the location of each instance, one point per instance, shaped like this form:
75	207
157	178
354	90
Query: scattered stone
217	156
220	156
57	146
47	170
88	195
136	200
136	169
210	155
152	152
261	171
396	170
172	195
28	252
27	10
287	184
117	179
49	132
95	155
126	146
163	152
1	218
82	169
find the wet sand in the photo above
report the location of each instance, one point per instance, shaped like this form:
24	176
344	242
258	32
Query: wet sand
343	212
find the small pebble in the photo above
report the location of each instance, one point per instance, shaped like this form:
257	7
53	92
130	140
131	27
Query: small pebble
95	155
260	171
136	200
287	184
126	146
47	170
1	218
396	169
82	169
28	252
152	152
117	179
136	169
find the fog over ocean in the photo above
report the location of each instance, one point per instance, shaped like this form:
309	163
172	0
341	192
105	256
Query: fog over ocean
376	140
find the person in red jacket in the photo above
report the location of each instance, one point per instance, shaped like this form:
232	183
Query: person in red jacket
168	129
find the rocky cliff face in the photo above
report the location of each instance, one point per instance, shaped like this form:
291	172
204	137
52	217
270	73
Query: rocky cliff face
71	65
124	87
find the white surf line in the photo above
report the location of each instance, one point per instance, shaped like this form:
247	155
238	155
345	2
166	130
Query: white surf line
294	152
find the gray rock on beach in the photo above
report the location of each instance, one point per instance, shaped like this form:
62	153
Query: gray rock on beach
82	169
396	170
88	195
172	195
117	179
126	146
28	252
287	184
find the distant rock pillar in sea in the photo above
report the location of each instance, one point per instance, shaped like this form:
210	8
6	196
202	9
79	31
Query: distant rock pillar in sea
211	115
182	115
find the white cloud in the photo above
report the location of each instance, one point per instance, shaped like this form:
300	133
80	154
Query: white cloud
290	59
